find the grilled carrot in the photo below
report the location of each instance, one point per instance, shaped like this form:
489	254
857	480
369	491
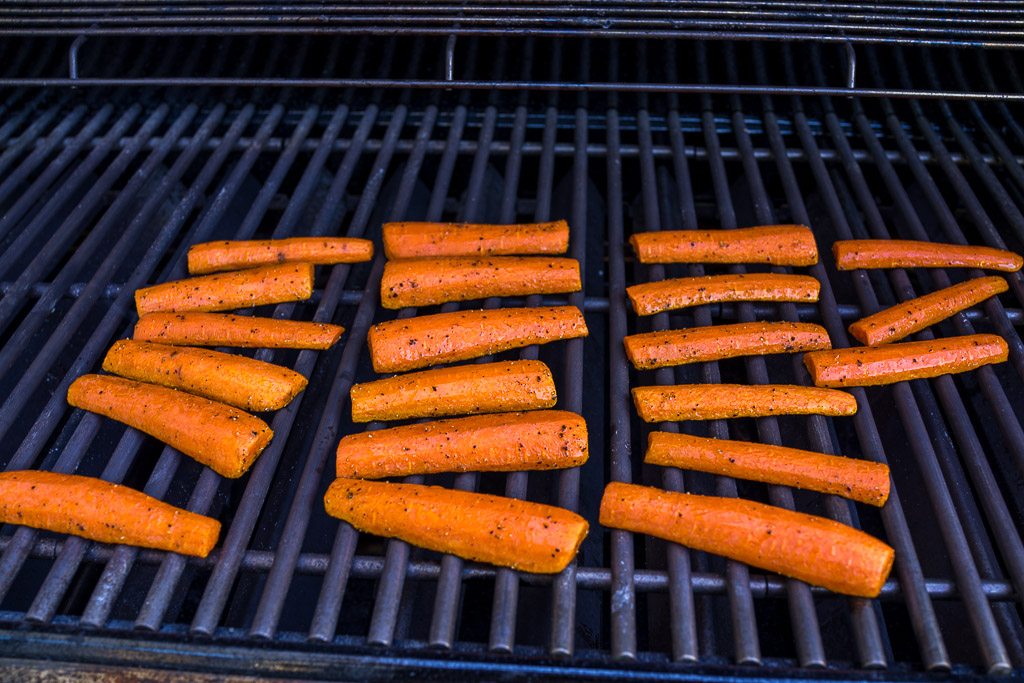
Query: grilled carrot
527	536
222	292
104	512
539	440
461	390
851	254
780	245
400	345
414	240
209	257
668	295
225	329
873	365
720	401
904	319
697	344
241	382
424	282
860	480
219	436
813	549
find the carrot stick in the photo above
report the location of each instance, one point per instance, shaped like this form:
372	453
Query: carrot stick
241	382
851	254
424	282
104	512
509	442
460	390
219	436
720	401
243	331
812	549
668	295
412	343
697	344
209	257
527	536
780	245
874	365
904	319
860	480
414	240
252	287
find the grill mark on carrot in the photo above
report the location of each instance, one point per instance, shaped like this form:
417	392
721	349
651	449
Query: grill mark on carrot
650	298
721	401
241	331
209	257
851	254
418	239
780	245
226	291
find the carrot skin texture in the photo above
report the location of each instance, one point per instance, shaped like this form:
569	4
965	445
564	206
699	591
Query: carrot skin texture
507	532
210	257
241	331
460	390
429	281
860	480
912	316
813	549
650	298
721	401
508	442
225	439
226	291
414	343
780	245
417	240
852	254
104	512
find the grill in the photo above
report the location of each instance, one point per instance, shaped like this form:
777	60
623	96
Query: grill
130	132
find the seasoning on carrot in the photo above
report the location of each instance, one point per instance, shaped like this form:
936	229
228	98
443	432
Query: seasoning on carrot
720	401
209	257
508	442
424	282
668	295
225	291
817	550
243	331
102	511
851	254
912	316
414	240
665	348
779	245
860	480
460	390
412	343
226	439
527	536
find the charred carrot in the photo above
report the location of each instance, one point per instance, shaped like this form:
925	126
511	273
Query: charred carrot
424	282
226	439
851	254
720	401
668	295
225	329
812	549
209	257
539	440
904	319
860	480
104	512
413	343
461	390
222	292
241	382
780	245
697	344
414	240
508	532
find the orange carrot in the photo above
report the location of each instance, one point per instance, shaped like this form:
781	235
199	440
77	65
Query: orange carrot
539	440
242	382
668	295
104	512
413	240
720	401
851	254
530	537
813	549
460	390
697	344
904	319
780	245
412	343
219	436
424	282
860	480
873	365
252	287
225	329
209	257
